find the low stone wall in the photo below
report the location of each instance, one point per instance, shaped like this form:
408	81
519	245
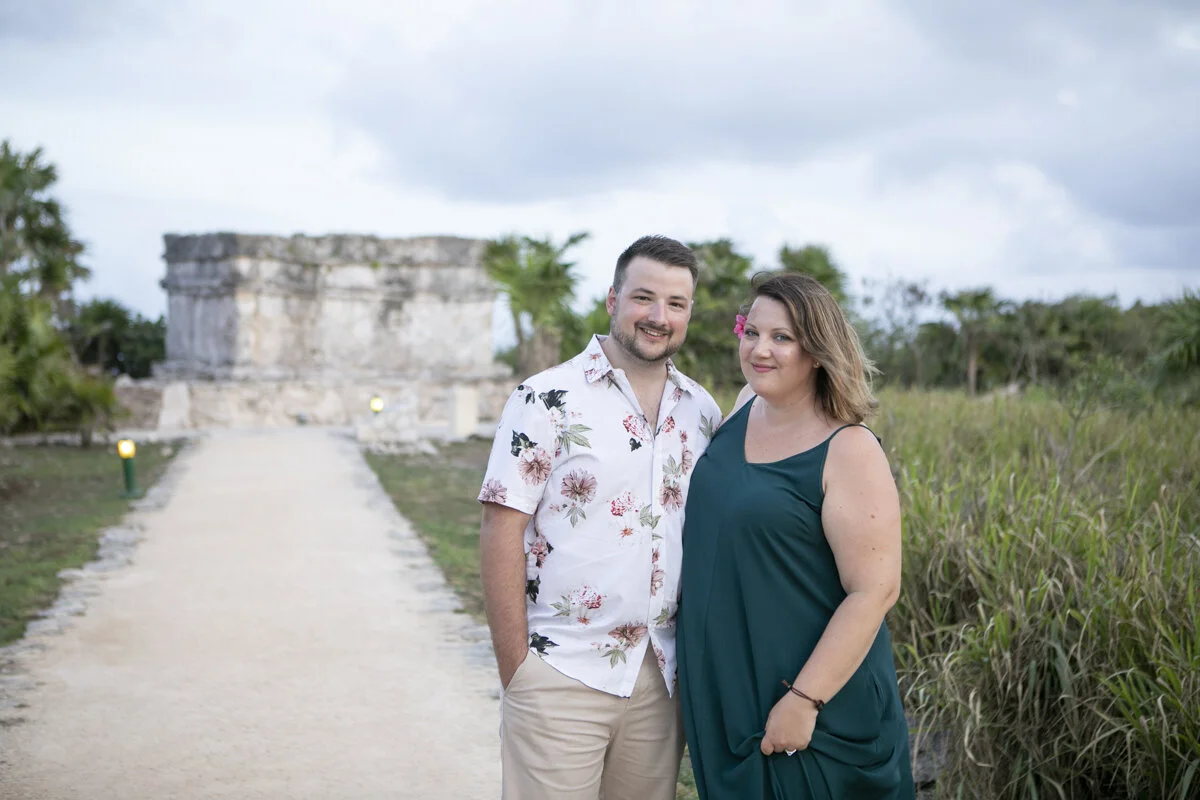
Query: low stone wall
141	403
414	401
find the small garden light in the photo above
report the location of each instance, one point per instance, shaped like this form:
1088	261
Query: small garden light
376	404
126	449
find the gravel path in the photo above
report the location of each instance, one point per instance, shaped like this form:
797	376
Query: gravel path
279	633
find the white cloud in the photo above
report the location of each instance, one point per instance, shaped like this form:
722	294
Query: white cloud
1067	98
911	143
1186	39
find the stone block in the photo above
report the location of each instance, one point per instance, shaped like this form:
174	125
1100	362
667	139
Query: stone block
176	408
141	402
464	419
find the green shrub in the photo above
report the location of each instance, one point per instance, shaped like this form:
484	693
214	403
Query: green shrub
41	386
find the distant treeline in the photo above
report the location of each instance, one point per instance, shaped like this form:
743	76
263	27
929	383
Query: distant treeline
972	339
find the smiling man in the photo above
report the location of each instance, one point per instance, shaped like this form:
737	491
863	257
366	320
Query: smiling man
580	546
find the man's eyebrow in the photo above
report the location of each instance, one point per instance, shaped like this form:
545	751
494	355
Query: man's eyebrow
643	290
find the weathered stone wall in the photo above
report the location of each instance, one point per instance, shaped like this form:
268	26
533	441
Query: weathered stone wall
265	330
141	403
424	404
263	307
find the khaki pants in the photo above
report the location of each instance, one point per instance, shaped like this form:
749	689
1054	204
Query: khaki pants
561	740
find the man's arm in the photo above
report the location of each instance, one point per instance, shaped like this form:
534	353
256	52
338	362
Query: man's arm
502	569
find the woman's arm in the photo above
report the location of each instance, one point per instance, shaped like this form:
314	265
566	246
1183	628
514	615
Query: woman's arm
861	517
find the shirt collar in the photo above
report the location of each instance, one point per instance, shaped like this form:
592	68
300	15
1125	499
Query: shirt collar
679	379
596	366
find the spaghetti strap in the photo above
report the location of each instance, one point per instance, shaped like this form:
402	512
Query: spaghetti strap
854	425
841	428
828	441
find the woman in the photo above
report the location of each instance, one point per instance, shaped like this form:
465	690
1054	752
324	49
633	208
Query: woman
791	559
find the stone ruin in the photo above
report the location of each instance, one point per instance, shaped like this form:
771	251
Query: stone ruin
274	331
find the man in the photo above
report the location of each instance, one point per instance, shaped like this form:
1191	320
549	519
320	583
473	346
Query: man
580	546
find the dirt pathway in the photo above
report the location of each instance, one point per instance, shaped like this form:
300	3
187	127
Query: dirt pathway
280	633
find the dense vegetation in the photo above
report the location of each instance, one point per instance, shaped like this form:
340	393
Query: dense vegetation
57	358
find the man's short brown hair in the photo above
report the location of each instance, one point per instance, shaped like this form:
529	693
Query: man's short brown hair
662	249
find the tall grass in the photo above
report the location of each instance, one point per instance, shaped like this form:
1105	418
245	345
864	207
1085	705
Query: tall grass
1047	621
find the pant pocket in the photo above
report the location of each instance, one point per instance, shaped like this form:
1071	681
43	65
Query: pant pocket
522	668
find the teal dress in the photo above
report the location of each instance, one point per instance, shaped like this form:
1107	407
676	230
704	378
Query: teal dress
759	586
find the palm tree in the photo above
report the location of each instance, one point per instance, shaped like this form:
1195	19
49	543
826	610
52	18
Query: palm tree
41	385
1182	329
35	243
539	285
974	310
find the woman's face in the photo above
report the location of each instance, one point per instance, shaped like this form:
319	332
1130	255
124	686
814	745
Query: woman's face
773	362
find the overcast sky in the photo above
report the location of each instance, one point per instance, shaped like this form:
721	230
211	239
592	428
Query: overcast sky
1043	152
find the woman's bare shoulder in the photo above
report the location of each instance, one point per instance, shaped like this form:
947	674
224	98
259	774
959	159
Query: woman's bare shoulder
852	449
744	396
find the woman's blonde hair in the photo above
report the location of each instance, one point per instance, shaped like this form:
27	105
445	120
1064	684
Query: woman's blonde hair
821	327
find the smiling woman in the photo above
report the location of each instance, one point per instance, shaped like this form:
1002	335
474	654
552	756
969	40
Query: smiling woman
796	332
791	559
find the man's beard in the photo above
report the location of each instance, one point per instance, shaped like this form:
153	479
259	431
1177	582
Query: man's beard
630	345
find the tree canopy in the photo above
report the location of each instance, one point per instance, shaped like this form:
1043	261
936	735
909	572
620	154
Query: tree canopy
36	246
44	385
972	339
538	284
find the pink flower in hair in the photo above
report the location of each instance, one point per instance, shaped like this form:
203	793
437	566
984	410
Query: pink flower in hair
740	327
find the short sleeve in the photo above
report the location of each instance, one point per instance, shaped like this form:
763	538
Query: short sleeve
709	406
710	413
522	454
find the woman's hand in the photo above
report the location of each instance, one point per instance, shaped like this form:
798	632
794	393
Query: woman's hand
789	725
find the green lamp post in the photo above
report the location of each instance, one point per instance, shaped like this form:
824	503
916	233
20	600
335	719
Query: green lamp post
126	449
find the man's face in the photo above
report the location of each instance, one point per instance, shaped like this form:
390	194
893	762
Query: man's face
651	313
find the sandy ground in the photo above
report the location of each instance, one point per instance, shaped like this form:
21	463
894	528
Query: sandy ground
280	633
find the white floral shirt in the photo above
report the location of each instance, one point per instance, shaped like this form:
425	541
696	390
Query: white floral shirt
603	546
